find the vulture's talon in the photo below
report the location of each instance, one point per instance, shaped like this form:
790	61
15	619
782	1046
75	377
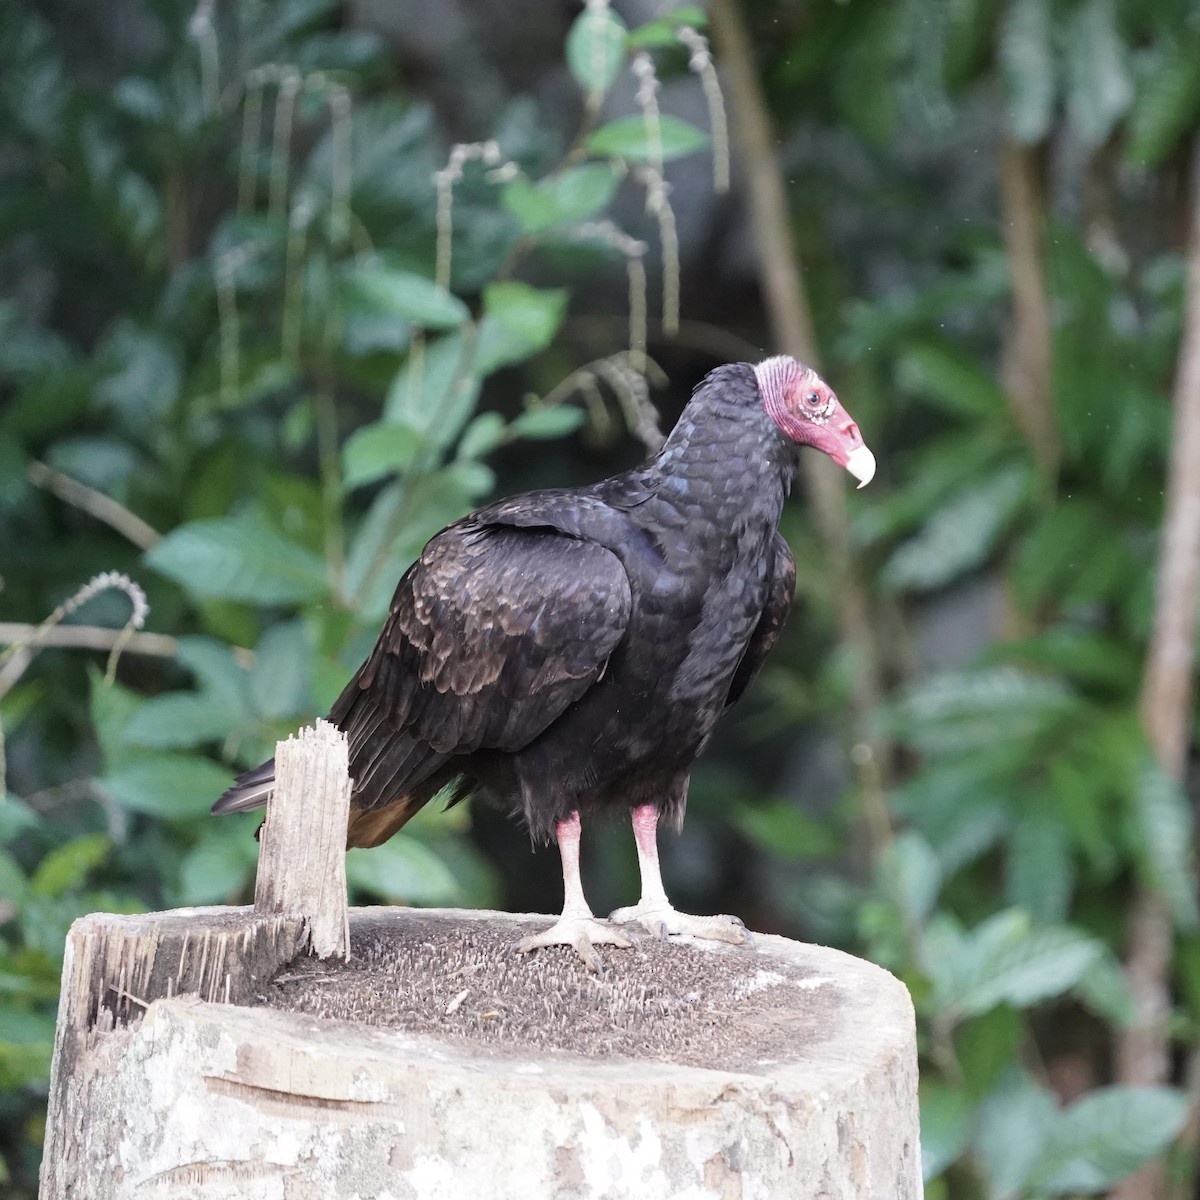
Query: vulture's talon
581	934
662	920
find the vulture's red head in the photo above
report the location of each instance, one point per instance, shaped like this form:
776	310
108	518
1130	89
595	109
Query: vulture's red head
805	410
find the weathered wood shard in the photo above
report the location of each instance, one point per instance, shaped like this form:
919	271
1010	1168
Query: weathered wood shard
302	852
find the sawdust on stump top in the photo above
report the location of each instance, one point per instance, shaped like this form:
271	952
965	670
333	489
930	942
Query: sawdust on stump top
459	979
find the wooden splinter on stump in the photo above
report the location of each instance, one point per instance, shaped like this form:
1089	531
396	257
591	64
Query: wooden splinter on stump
302	845
202	1053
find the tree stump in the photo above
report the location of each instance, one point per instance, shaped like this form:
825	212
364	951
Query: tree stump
204	1053
437	1064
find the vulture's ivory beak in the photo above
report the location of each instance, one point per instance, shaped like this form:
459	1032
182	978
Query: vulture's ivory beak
861	464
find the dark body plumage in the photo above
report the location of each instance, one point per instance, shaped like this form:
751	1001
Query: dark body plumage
573	649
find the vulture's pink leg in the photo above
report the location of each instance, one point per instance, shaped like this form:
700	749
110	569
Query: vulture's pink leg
577	927
653	911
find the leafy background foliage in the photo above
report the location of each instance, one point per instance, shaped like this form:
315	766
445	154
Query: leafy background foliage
253	296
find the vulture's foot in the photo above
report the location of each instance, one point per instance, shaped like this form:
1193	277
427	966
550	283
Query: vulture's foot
662	920
582	934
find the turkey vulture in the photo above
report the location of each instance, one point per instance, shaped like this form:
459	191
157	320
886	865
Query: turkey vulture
570	650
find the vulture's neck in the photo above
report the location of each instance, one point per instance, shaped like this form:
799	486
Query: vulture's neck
727	457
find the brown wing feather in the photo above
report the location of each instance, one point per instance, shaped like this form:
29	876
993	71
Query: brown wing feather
493	632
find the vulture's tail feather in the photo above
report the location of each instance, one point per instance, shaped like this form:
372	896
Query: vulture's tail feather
250	790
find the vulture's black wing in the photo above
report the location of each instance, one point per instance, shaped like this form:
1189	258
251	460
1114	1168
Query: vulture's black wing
493	632
779	600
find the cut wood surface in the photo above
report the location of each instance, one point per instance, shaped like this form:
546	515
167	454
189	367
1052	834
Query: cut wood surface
437	1063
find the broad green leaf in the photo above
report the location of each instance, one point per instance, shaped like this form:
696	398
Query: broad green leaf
1167	102
785	831
221	865
172	787
519	321
176	720
575	195
952	379
665	30
13	884
484	434
1105	1136
66	866
239	558
435	390
596	48
961	533
1099	89
1005	961
405	296
554	422
281	678
15	818
1013	1126
377	450
145	375
216	669
1105	990
629	138
1164	821
945	1126
986	1048
1028	69
402	870
961	711
911	876
1040	871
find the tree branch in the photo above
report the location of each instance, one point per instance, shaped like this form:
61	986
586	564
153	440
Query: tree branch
1166	706
1028	358
97	504
781	280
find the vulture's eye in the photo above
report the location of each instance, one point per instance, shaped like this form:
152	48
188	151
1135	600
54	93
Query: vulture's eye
812	399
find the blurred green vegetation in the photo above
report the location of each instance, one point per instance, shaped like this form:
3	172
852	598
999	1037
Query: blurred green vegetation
252	296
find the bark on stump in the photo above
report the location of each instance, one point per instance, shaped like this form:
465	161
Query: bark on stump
205	1053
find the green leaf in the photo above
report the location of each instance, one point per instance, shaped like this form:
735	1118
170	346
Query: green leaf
952	379
574	195
177	720
404	296
1004	961
519	321
1167	103
911	876
785	831
1164	822
1027	69
377	450
66	866
665	30
483	435
961	533
1040	871
987	1046
628	138
281	678
435	390
1105	1136
239	558
973	711
1105	990
596	48
1013	1126
1099	89
173	787
553	422
221	865
13	884
402	870
145	375
945	1126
